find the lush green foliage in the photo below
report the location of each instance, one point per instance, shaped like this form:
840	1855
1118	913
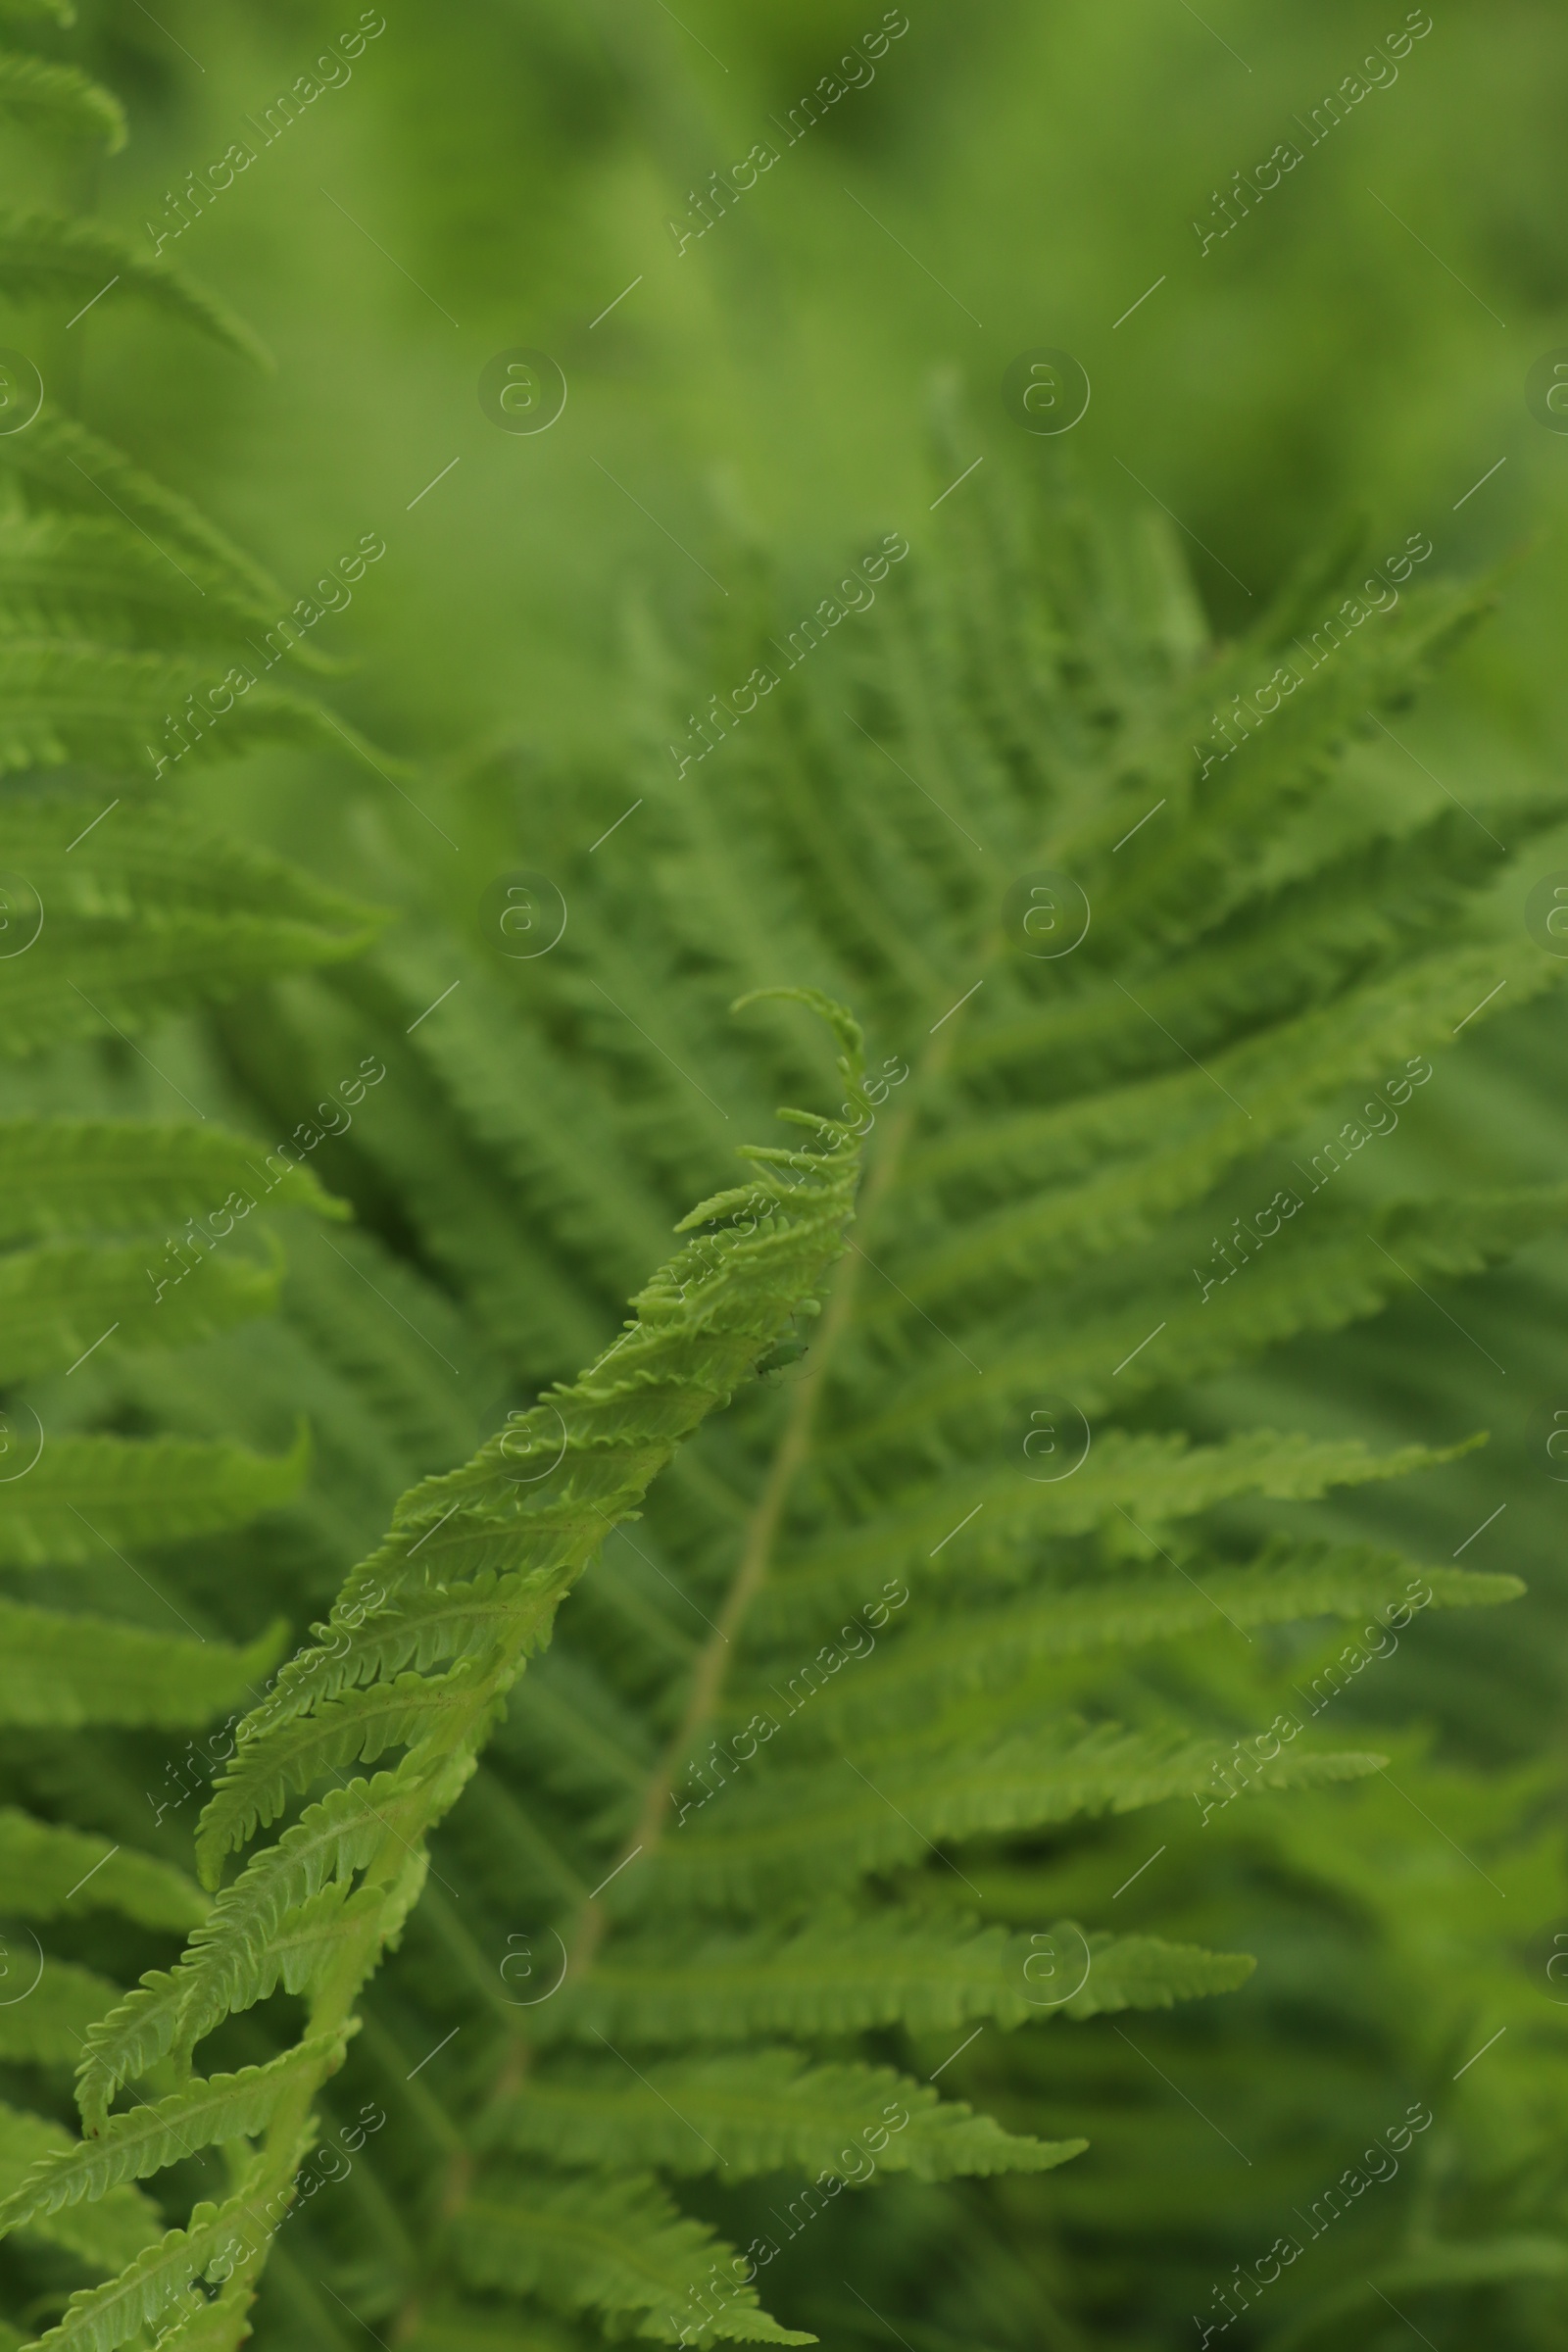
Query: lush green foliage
816	1804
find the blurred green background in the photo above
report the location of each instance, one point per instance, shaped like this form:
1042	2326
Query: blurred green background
1014	176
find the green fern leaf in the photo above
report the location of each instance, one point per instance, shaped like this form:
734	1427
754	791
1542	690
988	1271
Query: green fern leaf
46	1868
117	2228
57	98
617	2247
87	1492
42	254
61	1672
767	2111
152	919
153	2136
77	1176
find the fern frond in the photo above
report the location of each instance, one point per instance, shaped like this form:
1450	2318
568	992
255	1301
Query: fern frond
64	468
59	99
69	700
151	918
76	1176
153	2136
61	1672
618	2247
846	1975
767	2111
86	1493
57	1302
42	254
830	1825
115	2231
45	1867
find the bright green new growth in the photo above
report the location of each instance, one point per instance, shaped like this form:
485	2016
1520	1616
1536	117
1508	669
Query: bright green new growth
526	1516
734	1918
